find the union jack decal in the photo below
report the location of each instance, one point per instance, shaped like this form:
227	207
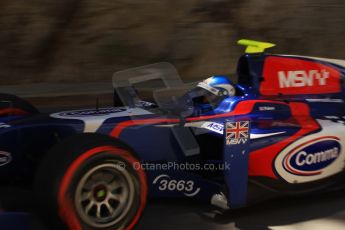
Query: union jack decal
237	132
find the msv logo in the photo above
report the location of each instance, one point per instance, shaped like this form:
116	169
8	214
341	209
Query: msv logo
312	157
302	78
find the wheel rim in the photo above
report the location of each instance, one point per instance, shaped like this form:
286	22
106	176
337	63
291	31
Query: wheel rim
105	195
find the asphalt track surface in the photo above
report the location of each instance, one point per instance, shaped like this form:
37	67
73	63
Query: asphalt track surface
317	212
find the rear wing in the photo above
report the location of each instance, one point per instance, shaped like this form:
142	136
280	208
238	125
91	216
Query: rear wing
277	75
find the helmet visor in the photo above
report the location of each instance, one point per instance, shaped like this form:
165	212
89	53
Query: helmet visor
200	95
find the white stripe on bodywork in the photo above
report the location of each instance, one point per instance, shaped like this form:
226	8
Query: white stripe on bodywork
329	100
261	135
219	128
94	122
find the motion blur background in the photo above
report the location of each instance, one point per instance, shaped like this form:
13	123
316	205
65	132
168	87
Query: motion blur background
49	47
87	40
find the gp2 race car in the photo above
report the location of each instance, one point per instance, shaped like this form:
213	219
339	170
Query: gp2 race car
278	131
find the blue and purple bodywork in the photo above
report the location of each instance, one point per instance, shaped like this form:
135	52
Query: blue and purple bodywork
282	133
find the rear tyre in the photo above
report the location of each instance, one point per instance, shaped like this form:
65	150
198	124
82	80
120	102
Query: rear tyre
89	182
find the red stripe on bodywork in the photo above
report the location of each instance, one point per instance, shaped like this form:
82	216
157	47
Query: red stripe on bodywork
121	126
66	209
12	111
242	108
261	161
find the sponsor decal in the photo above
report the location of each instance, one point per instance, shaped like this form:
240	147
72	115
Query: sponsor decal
267	108
187	187
91	112
219	128
5	158
213	126
291	76
144	104
312	157
302	78
237	132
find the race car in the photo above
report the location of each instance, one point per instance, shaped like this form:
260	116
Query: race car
278	131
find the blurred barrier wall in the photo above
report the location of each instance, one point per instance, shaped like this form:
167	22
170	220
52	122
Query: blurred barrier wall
88	40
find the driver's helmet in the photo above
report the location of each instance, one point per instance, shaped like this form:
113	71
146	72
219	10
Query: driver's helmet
212	91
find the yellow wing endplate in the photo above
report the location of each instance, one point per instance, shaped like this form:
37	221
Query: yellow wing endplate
255	46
